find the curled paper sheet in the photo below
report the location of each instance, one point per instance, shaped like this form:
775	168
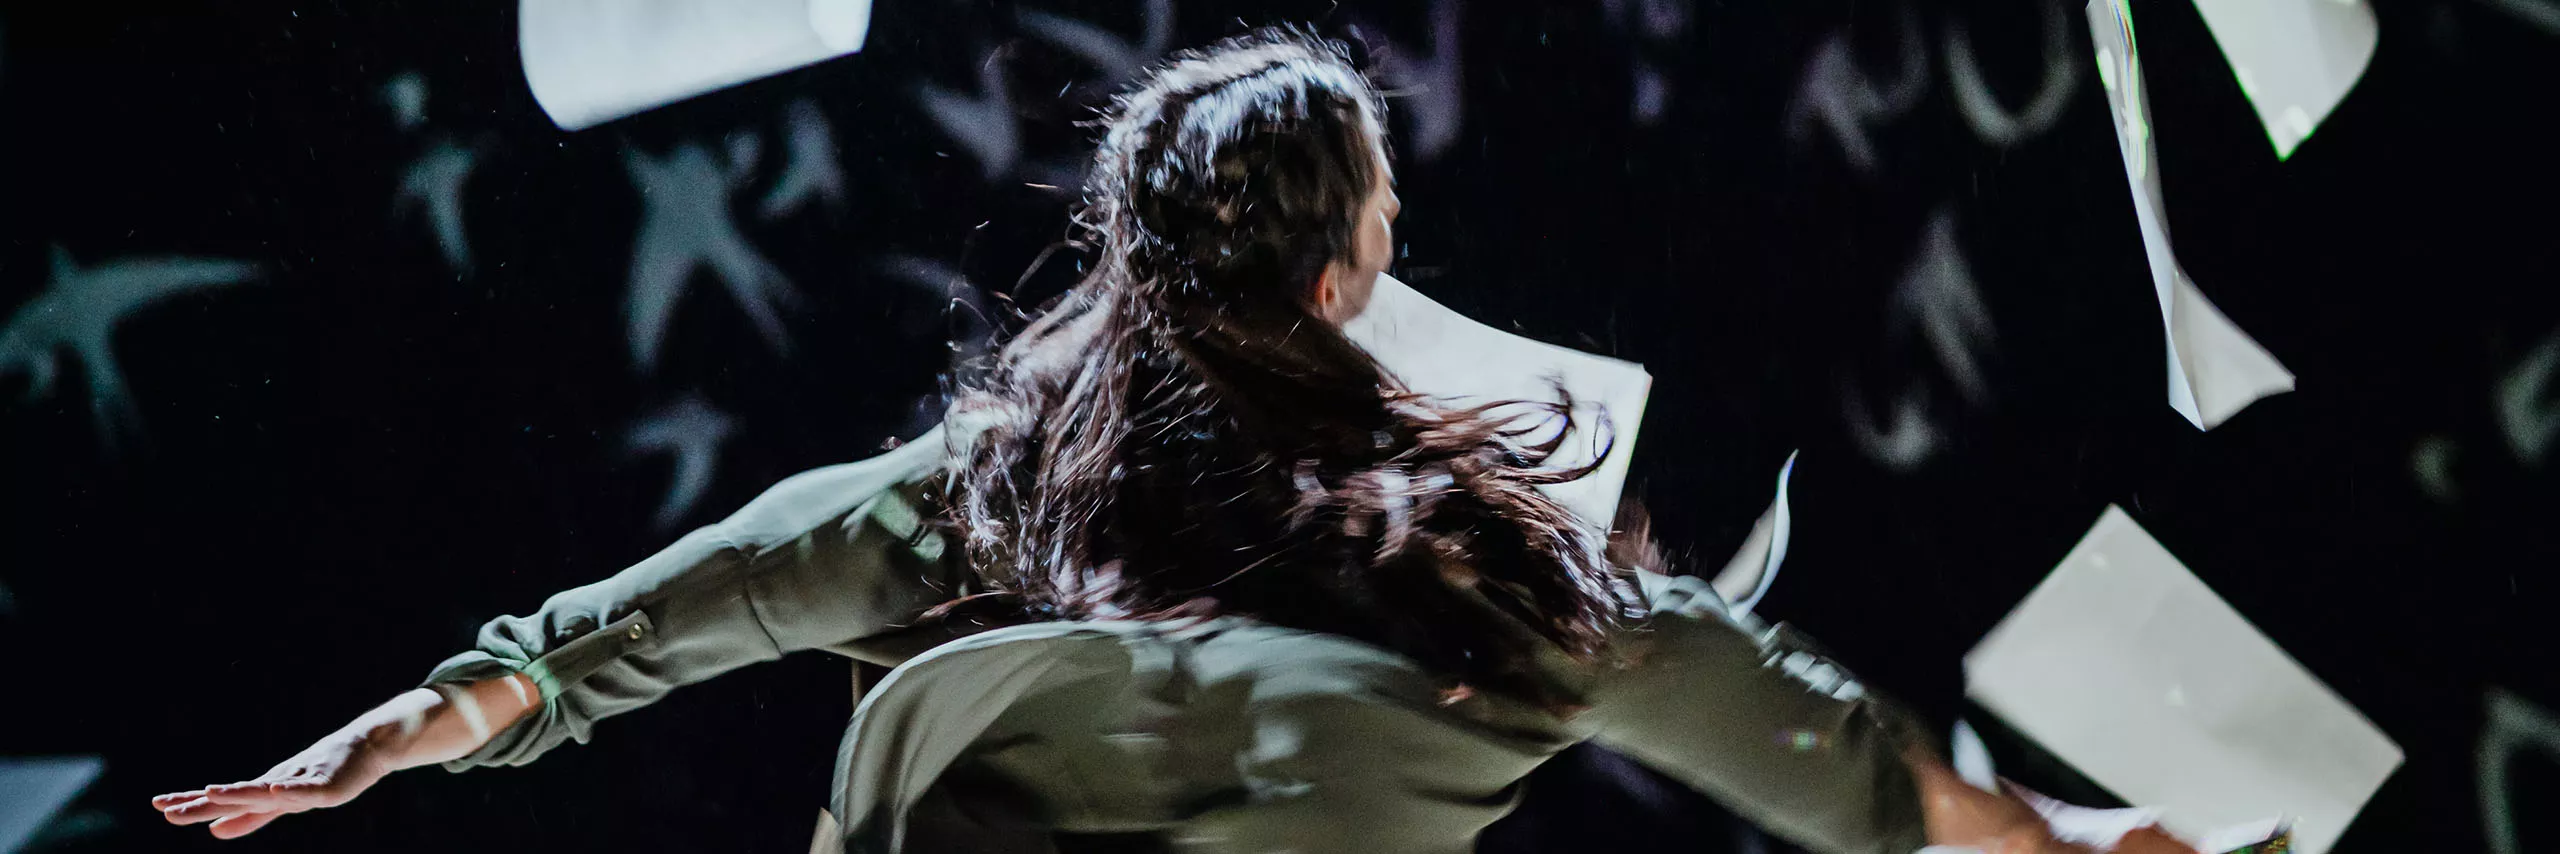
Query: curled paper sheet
2296	59
2125	665
1442	353
2215	370
1754	568
593	61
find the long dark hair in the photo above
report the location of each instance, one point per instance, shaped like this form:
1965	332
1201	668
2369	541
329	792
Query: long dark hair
1184	435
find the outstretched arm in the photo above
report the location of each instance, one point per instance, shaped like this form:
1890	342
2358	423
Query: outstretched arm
824	559
1753	716
833	558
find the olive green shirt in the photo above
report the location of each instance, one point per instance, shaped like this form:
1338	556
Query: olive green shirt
1223	735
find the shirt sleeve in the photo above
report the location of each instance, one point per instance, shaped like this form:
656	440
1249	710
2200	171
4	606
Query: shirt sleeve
825	558
1753	716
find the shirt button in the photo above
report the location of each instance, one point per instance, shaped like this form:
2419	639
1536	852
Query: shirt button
635	632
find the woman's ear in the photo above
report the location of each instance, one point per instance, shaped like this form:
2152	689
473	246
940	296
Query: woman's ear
1326	294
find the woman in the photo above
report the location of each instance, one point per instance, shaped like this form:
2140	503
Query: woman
1189	571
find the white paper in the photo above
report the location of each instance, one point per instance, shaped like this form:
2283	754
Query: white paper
2296	59
2125	665
2215	370
1746	578
2221	368
1439	352
593	61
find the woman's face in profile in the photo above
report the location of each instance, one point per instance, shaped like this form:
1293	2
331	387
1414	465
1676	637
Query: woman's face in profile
1350	280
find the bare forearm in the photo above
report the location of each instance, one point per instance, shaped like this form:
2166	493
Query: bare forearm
1959	814
425	726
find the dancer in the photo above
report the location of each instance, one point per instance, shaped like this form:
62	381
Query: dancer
1187	570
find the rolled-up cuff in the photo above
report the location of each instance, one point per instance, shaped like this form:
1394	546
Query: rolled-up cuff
552	674
477	666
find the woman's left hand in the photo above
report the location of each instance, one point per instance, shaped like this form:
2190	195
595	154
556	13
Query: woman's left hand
2152	840
2147	839
1960	816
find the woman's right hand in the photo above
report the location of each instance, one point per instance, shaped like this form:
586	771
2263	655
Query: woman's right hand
420	727
332	771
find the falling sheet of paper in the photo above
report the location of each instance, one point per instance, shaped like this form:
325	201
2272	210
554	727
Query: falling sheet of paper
1442	353
593	61
2295	59
33	789
1746	578
2125	665
2215	370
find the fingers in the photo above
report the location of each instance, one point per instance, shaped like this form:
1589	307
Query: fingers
232	792
292	794
301	793
2152	840
2038	801
241	792
214	803
241	825
239	809
201	810
172	799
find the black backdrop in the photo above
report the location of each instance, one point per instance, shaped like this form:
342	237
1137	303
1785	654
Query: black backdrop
338	467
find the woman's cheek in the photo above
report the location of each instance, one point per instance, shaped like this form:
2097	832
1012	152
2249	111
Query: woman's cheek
1380	240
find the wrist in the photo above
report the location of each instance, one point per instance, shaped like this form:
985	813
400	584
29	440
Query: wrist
1957	813
391	732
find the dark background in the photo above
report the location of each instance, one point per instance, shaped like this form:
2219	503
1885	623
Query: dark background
343	467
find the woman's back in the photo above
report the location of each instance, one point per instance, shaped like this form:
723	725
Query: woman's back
1231	735
1284	603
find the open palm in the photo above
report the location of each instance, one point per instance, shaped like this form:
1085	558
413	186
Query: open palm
330	772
